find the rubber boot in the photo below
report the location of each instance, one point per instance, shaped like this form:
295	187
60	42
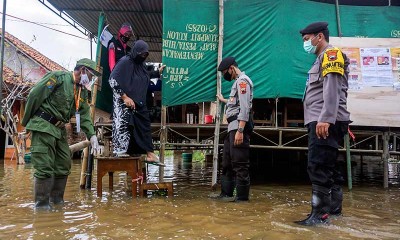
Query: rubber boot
336	200
43	188
242	193
320	203
57	193
227	188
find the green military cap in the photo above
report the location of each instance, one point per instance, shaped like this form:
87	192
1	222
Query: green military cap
89	64
315	27
226	63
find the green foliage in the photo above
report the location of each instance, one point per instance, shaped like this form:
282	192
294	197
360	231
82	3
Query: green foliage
198	156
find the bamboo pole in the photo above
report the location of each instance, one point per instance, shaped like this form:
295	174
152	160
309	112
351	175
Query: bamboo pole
163	140
85	164
78	146
218	107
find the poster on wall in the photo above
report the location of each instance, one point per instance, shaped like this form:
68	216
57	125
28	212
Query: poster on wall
376	67
355	78
395	52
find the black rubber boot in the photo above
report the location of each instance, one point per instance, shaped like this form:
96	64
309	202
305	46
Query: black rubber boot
321	204
336	200
42	193
57	193
227	188
242	193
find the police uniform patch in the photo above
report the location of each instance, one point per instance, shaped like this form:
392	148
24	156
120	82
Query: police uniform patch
242	86
332	55
333	62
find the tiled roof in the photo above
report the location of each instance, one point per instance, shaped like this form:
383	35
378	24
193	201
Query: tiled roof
42	60
11	77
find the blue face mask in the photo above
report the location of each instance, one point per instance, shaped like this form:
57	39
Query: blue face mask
308	47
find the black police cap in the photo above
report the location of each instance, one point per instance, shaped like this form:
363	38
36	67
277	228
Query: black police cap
315	27
226	63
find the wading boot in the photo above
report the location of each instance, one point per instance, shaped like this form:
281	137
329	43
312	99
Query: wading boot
336	200
320	204
242	193
57	193
227	187
42	191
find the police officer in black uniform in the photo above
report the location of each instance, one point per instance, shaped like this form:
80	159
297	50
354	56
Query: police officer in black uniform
327	119
236	162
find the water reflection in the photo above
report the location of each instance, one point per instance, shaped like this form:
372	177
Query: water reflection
370	212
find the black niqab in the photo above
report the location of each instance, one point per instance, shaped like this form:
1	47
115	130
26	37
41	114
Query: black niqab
132	77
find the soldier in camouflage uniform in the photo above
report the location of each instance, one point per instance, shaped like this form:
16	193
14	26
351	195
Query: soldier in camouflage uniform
327	120
51	103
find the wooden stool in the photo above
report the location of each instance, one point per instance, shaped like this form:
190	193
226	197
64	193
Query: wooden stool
130	165
154	185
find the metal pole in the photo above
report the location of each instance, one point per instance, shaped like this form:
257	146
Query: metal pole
338	19
385	157
3	34
348	160
276	112
218	107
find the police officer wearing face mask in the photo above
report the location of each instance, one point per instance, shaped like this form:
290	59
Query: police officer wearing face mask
117	48
236	162
327	120
51	103
131	133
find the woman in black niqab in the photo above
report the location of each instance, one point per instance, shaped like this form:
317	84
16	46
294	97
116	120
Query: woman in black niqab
129	81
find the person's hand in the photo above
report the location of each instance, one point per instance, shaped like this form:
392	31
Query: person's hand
128	101
322	130
95	146
161	69
220	97
238	138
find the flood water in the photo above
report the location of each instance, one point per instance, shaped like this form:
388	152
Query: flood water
370	212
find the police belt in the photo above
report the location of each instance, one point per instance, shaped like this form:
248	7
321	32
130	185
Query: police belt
51	119
231	119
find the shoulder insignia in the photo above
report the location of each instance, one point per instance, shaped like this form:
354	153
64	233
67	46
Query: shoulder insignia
52	81
242	86
333	62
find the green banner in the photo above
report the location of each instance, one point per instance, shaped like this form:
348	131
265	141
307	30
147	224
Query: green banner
264	37
190	44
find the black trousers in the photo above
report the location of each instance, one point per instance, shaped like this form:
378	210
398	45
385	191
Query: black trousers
322	166
236	159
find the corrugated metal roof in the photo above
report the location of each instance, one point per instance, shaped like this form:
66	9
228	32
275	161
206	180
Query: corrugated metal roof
144	15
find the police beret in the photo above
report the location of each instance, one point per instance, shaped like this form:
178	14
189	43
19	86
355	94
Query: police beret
315	27
226	63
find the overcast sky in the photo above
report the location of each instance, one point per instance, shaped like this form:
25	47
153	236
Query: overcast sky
61	48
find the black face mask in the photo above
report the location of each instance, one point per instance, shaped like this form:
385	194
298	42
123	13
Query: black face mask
124	39
139	59
228	76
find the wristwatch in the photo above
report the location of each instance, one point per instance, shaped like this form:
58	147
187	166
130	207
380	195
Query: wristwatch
240	129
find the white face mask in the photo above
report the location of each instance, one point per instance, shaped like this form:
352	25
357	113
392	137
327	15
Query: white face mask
84	79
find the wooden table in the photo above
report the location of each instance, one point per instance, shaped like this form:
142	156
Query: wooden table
109	165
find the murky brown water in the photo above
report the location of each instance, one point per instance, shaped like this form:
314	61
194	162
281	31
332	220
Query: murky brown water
370	212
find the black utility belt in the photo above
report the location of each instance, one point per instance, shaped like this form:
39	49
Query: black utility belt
51	119
231	119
